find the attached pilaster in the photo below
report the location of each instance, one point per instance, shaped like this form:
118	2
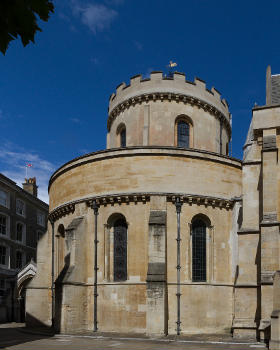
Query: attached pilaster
269	225
146	125
156	276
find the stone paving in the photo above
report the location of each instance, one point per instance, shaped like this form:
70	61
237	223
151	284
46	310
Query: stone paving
17	337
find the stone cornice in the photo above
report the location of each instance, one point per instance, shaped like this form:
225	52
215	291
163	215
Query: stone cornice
61	211
167	96
135	198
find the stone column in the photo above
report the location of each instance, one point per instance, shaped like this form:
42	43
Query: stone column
269	226
156	277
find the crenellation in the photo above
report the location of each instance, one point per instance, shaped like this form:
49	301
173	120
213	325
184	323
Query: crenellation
209	91
225	102
158	86
120	87
113	95
155	76
135	79
200	82
216	93
181	77
145	79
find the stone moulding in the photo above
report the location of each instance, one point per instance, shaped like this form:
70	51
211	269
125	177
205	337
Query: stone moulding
62	211
267	277
130	198
161	96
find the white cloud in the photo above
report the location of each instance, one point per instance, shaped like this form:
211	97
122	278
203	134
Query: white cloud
85	151
94	60
114	2
75	120
13	165
138	45
96	17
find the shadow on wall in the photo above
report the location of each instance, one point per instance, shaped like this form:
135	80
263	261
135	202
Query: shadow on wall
58	292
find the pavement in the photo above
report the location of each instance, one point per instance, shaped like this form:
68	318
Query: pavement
17	336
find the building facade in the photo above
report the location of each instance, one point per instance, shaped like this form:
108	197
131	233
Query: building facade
23	220
163	232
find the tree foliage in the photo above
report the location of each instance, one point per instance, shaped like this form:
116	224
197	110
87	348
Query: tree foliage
19	18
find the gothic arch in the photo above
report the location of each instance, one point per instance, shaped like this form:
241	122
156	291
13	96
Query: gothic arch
201	248
121	135
116	248
183	119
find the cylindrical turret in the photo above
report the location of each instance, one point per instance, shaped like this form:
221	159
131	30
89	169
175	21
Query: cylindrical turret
162	111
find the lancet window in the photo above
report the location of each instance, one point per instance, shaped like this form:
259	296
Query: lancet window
199	251
120	250
183	134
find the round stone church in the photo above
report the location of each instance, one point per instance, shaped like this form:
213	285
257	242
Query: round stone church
161	233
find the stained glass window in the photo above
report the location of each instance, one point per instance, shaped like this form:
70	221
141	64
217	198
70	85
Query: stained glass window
199	251
183	134
120	250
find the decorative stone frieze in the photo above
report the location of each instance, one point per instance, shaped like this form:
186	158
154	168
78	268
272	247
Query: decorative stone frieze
202	200
62	211
169	97
119	199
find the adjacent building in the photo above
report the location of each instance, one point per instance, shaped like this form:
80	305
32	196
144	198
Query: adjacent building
23	220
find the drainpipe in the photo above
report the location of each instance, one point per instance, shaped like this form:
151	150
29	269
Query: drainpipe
178	205
95	211
52	288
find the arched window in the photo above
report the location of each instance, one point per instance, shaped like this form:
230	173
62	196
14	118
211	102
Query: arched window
121	135
120	250
123	138
183	134
199	251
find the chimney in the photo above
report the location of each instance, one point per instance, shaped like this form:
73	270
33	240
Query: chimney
30	186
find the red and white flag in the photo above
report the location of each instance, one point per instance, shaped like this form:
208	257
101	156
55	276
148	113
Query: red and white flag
27	165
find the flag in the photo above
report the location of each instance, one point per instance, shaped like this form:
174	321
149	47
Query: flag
29	165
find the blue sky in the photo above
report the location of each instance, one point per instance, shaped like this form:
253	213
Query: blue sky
54	94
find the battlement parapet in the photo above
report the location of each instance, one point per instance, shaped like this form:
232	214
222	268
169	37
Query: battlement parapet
157	86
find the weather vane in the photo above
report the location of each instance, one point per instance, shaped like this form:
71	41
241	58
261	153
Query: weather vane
171	67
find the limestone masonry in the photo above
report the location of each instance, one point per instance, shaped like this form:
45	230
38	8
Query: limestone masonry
163	232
